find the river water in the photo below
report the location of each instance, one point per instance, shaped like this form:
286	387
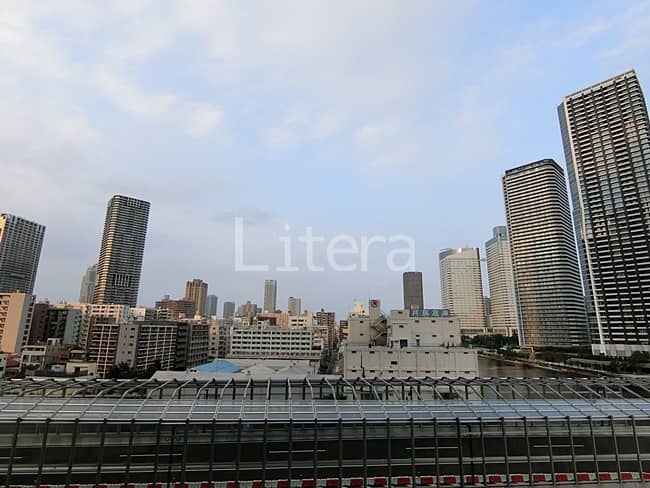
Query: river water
489	367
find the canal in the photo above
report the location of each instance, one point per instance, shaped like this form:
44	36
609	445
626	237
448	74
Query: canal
495	368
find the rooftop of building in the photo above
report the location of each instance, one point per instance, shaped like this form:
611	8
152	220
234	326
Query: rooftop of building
581	91
534	164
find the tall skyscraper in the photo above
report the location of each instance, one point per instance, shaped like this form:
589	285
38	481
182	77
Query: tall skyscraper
606	135
211	305
270	295
197	292
20	250
294	306
120	257
462	289
503	301
88	283
228	310
413	294
550	303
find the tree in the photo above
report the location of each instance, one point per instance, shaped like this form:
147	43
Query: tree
121	371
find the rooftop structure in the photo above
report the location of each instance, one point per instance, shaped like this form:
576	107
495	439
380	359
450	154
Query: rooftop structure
422	431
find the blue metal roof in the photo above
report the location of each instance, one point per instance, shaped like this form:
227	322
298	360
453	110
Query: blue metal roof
218	366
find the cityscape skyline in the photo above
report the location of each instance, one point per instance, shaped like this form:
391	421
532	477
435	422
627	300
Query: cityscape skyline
478	173
443	278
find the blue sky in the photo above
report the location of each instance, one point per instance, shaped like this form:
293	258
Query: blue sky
361	118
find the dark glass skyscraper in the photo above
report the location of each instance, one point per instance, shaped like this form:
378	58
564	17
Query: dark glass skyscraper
20	251
120	256
228	310
413	293
550	302
605	131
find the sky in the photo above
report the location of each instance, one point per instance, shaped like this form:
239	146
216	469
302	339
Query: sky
386	119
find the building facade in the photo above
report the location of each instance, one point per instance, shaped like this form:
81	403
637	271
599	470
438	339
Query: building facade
270	295
88	282
412	290
367	326
606	135
228	310
502	302
420	343
462	288
550	302
39	318
211	303
294	306
120	257
143	345
267	341
15	320
247	310
102	345
21	242
192	344
197	291
177	309
63	322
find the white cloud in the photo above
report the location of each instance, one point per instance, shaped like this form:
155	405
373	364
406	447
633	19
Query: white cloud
22	45
131	98
203	119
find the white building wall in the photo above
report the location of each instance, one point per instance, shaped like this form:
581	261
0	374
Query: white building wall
462	288
272	342
424	361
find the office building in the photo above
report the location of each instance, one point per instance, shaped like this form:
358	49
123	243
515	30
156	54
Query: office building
192	344
122	249
102	345
213	342
211	303
305	319
420	343
294	306
276	318
270	295
177	309
15	320
326	321
367	326
140	345
502	302
20	250
413	293
550	303
62	322
228	310
197	291
36	357
88	283
91	313
140	314
247	310
39	318
268	341
143	345
606	137
462	288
